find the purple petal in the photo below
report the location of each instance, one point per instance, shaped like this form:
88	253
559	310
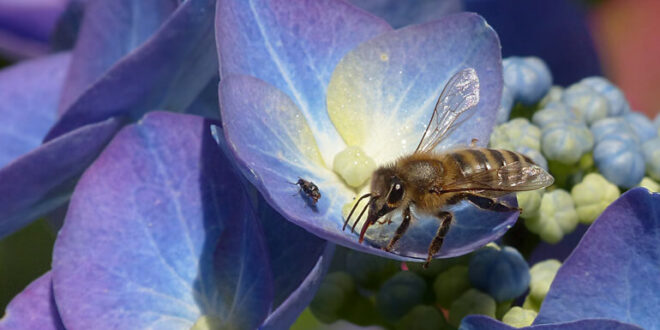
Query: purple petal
274	147
382	93
29	92
206	103
295	46
613	272
480	322
242	272
289	310
292	248
110	30
144	223
25	26
401	13
154	75
34	308
42	180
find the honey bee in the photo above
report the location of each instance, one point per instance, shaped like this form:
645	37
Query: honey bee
310	189
430	181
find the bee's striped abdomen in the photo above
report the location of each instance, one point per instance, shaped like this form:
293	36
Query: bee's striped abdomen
474	160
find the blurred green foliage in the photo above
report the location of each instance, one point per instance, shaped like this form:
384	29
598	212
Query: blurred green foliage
24	256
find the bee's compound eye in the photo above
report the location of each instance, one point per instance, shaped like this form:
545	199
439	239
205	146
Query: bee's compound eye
396	192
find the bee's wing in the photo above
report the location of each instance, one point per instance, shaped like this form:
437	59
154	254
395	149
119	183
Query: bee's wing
512	177
459	95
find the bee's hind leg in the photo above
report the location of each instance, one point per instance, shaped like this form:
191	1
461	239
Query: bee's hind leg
490	204
405	222
445	222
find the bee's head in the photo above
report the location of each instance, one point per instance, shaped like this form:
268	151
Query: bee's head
387	191
387	194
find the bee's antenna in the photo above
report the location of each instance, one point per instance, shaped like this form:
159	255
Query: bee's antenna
353	209
360	216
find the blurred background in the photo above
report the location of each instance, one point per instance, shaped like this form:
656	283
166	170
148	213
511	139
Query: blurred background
577	38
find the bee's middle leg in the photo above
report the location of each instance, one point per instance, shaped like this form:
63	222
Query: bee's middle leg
490	204
445	222
407	217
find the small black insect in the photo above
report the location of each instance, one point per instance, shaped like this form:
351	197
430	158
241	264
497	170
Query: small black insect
310	189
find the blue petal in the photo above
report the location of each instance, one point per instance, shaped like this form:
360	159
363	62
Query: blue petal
42	180
401	13
480	322
613	272
34	308
154	75
144	224
295	46
382	94
29	92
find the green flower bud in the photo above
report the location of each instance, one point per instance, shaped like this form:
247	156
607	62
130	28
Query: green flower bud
450	285
650	184
519	317
516	133
333	294
422	317
531	304
553	95
438	266
370	271
400	294
529	202
557	216
471	302
542	274
592	196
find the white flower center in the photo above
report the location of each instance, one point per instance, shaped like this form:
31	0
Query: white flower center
354	166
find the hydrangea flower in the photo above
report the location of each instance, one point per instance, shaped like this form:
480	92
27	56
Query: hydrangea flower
165	230
76	102
168	236
614	259
295	96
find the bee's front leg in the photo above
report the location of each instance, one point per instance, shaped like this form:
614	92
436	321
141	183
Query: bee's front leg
407	217
445	222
